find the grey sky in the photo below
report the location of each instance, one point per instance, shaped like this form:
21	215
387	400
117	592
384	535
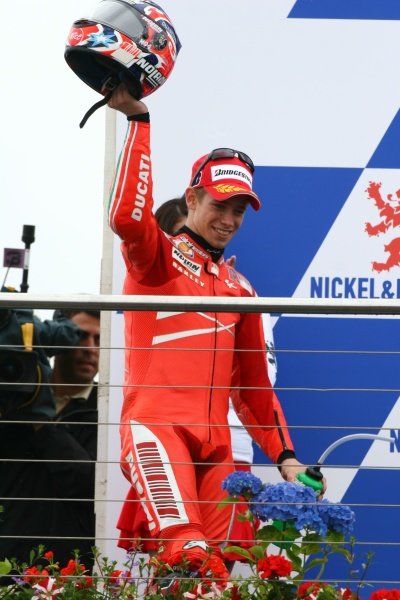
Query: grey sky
43	150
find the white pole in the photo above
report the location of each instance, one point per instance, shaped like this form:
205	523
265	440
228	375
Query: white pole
105	336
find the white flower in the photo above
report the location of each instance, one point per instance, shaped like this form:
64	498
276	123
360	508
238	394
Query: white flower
48	591
215	592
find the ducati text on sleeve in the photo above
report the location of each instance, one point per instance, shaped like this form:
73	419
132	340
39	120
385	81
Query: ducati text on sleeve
142	187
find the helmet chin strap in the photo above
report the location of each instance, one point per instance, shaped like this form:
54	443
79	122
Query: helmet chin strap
93	109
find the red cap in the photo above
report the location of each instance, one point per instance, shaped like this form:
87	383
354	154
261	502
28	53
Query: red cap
224	178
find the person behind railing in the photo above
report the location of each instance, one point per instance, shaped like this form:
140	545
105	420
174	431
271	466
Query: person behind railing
47	461
181	367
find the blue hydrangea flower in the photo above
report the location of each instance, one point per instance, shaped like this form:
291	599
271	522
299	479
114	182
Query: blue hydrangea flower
242	483
337	517
310	519
288	501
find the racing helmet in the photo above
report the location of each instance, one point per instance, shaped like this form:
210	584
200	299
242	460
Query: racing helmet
133	41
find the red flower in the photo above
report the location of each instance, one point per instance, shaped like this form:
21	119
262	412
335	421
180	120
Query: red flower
214	567
115	578
274	566
235	594
385	595
84	582
309	591
33	575
72	569
347	594
49	555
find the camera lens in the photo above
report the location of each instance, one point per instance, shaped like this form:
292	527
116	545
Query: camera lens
11	369
18	371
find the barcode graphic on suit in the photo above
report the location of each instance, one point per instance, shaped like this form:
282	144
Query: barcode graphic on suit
158	483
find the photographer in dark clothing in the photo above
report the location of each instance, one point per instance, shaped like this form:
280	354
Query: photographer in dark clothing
47	464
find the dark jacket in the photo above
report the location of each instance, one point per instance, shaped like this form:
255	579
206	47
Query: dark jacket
68	483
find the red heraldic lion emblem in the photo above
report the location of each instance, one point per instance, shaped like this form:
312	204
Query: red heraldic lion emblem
389	212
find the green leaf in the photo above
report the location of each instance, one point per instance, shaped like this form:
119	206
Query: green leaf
313	563
291	533
229	500
327	593
244	516
268	533
311	544
334	536
272	535
346	553
309	549
238	550
295	549
257	551
312	537
283	525
296	561
5	567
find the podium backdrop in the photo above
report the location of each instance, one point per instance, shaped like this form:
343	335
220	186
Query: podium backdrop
311	90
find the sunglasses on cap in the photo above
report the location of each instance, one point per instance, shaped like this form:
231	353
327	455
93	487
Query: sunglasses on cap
218	153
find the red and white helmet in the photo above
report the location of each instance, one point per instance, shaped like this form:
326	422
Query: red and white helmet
132	41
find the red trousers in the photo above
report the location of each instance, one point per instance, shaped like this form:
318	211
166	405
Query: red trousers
171	494
177	477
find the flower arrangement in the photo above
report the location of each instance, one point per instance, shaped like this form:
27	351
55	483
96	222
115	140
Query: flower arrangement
294	537
45	579
298	538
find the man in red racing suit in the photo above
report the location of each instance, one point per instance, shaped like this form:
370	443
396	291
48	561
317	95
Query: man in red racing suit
175	437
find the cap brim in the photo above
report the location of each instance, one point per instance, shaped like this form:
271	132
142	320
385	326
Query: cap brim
226	191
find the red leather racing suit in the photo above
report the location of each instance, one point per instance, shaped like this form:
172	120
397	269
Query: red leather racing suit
178	367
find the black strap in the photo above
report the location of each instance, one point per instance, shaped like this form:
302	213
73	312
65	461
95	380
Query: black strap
283	456
93	109
142	118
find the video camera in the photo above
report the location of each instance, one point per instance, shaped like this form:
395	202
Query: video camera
26	343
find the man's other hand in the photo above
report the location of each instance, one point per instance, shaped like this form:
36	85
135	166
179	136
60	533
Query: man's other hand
290	467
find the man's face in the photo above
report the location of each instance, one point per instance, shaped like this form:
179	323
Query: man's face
80	366
216	221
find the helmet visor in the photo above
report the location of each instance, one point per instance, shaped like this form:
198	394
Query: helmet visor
119	16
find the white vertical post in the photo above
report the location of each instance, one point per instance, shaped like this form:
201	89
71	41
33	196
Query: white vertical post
104	366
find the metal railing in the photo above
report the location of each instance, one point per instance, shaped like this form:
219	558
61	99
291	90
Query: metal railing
209	303
279	306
